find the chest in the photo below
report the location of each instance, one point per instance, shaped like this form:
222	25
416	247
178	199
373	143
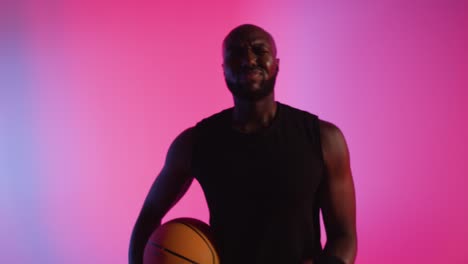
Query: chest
278	168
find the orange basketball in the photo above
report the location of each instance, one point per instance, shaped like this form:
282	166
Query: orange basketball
181	241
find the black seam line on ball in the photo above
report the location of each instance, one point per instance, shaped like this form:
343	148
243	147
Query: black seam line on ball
203	237
173	253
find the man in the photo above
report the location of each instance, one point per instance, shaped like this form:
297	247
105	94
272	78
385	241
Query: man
266	170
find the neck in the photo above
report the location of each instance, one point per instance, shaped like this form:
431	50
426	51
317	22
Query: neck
249	116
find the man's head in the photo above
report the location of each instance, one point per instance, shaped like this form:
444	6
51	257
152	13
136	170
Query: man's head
249	62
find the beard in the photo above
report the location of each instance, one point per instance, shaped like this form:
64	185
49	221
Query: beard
243	92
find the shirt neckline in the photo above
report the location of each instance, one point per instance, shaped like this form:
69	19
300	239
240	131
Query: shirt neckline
263	131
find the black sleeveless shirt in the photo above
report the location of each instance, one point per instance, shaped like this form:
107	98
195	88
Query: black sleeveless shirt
261	188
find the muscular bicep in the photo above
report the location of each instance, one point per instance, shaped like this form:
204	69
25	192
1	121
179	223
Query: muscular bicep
337	194
175	177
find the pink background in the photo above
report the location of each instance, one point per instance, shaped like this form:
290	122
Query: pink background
93	92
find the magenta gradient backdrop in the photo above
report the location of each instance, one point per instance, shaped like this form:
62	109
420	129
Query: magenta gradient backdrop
93	92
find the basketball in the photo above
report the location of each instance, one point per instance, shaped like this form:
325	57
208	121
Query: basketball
181	241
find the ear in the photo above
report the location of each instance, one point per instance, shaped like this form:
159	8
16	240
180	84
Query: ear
277	64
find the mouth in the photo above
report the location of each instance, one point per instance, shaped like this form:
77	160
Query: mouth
253	74
252	69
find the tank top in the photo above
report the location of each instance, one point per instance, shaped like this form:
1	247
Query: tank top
262	188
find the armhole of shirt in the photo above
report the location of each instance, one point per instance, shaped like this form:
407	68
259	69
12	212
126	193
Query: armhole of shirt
194	154
312	123
313	128
319	141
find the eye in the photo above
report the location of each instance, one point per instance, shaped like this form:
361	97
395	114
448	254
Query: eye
260	50
235	52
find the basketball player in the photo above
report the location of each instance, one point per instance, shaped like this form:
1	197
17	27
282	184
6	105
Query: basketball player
266	170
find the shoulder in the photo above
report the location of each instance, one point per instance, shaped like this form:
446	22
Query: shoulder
180	152
294	110
182	146
185	137
329	132
210	126
333	143
215	118
298	115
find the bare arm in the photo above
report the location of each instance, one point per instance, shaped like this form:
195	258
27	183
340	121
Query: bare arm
170	185
337	196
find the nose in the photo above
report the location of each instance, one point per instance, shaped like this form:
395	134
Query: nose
250	59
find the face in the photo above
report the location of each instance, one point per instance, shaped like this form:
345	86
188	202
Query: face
250	64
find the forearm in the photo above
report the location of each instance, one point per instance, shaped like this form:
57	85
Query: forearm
142	230
342	247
